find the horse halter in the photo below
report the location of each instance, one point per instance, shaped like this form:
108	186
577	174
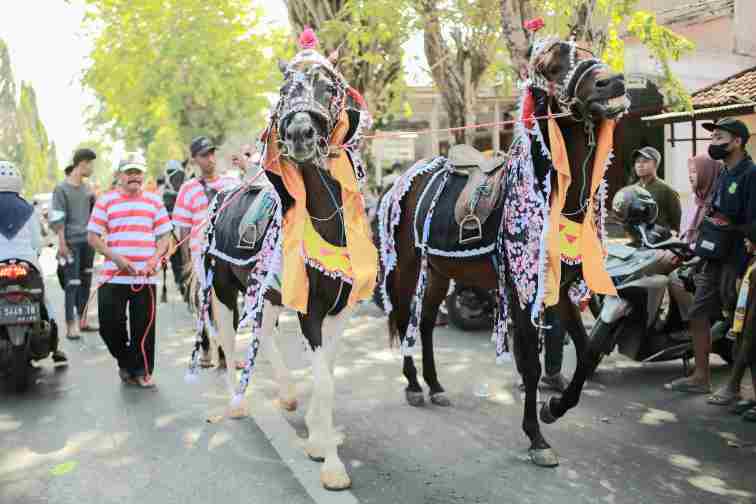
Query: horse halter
312	85
566	90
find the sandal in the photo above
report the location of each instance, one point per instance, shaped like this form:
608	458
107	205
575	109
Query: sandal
143	382
723	397
741	407
689	386
750	415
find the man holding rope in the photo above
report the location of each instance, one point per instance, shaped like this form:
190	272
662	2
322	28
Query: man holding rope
138	229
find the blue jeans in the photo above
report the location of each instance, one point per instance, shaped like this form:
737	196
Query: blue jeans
553	344
77	279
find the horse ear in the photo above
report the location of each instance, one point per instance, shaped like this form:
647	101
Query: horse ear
334	57
282	65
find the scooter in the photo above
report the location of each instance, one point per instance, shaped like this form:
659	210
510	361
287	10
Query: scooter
26	332
644	322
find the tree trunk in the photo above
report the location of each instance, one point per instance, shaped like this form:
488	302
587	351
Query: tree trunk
514	13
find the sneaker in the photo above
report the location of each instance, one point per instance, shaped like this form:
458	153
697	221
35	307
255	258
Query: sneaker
59	356
555	382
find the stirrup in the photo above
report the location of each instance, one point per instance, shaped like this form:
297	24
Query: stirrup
478	227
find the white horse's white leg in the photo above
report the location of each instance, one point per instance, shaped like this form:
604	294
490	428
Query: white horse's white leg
333	474
287	392
225	336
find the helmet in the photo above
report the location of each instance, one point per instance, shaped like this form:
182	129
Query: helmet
634	205
10	178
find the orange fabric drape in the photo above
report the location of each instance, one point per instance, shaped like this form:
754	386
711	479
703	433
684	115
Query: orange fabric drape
362	253
590	247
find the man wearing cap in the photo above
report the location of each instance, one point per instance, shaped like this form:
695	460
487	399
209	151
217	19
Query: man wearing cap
71	206
734	205
190	211
137	228
646	162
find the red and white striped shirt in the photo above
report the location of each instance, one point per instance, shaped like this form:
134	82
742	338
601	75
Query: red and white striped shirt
133	225
191	207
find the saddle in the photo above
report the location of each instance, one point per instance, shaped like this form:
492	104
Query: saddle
482	193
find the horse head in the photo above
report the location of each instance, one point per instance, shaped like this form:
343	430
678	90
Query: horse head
311	100
573	80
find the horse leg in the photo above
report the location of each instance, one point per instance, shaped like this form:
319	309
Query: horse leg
435	293
526	343
556	406
398	322
333	474
287	393
225	334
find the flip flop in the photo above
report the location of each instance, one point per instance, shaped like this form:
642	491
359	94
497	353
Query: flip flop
750	415
723	397
688	386
741	407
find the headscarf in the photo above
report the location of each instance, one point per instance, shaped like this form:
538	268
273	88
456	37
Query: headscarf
707	174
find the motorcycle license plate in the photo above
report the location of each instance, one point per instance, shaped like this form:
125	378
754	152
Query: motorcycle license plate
21	313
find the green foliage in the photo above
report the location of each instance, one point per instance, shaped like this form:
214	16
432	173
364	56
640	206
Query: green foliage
665	46
35	150
10	138
165	71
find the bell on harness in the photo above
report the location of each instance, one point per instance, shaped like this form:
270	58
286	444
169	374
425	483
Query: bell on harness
482	192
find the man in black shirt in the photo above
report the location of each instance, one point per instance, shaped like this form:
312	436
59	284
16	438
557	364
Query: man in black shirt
734	205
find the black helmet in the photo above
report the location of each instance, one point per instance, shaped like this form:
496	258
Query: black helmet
634	205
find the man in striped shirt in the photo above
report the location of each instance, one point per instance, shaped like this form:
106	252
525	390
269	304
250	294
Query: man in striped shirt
190	211
137	227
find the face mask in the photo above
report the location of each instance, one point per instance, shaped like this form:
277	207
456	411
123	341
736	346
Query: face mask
718	151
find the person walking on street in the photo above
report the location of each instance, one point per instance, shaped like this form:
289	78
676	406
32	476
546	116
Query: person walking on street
71	206
646	162
722	233
190	211
138	228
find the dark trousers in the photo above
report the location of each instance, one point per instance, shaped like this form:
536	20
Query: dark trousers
177	267
125	344
553	343
77	279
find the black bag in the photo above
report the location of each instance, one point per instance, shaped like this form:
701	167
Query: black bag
715	242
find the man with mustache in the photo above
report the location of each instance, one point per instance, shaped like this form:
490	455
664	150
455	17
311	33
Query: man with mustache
137	227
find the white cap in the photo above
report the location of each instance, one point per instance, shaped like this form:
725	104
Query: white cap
10	178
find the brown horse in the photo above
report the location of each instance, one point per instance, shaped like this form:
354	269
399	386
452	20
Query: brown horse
592	94
313	98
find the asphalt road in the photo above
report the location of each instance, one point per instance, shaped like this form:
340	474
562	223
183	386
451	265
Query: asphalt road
79	436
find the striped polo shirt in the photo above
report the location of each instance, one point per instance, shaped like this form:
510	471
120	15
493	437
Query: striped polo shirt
132	225
191	207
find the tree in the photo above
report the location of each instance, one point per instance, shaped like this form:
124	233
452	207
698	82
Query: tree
168	70
35	149
54	172
369	35
460	41
10	138
600	25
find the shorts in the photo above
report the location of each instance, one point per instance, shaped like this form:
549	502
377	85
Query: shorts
715	290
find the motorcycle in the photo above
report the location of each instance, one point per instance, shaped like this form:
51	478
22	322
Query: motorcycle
643	322
26	332
470	308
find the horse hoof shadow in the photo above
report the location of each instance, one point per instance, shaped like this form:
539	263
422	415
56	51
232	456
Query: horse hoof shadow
440	399
545	457
546	415
415	399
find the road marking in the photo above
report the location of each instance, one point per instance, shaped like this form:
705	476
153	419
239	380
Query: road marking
289	447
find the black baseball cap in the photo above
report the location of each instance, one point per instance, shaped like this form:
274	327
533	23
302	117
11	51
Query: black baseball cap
730	125
201	146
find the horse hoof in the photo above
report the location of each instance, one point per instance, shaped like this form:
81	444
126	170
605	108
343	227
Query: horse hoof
237	413
335	479
440	399
545	457
289	404
314	453
415	399
546	416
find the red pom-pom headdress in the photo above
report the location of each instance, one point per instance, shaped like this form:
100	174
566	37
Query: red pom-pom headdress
535	24
308	39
